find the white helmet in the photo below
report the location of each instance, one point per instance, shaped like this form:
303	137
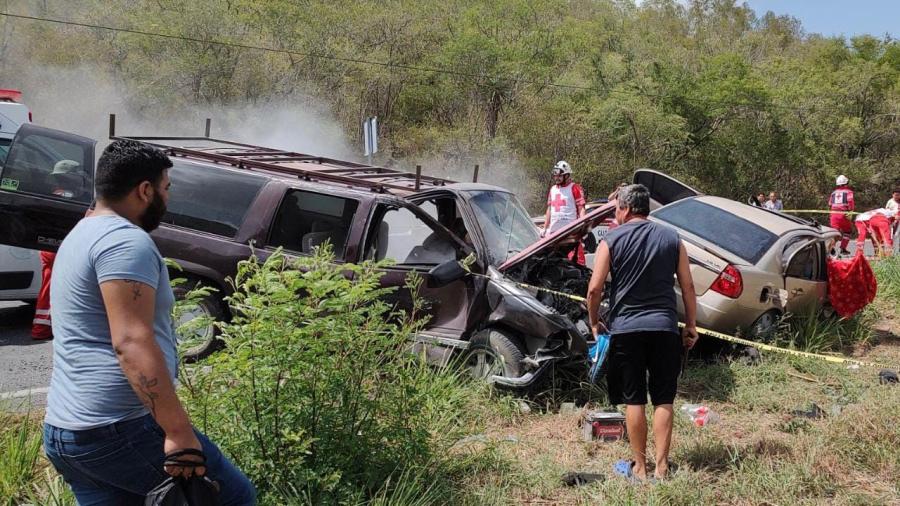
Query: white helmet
842	180
562	167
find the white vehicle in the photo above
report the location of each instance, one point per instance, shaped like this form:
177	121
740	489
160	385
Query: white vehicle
20	269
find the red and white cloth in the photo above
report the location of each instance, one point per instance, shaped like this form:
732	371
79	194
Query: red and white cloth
851	284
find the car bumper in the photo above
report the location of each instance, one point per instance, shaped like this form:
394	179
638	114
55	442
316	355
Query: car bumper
577	364
20	273
723	314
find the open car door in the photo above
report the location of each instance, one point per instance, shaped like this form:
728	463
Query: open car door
805	273
663	189
416	243
46	186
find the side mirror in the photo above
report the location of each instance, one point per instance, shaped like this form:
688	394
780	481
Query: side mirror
446	273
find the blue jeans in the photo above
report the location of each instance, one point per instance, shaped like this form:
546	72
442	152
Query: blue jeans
119	463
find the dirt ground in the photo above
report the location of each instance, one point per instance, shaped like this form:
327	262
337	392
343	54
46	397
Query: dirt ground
759	453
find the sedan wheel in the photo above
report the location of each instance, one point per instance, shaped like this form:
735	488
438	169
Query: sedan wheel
765	326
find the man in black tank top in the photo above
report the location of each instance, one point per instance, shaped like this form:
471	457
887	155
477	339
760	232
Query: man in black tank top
643	259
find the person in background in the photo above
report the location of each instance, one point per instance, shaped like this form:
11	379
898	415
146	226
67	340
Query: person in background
774	203
643	258
565	204
840	203
62	186
893	204
878	223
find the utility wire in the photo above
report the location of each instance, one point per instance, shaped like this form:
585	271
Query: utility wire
411	68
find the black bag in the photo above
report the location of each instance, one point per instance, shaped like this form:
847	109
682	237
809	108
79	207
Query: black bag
193	491
180	491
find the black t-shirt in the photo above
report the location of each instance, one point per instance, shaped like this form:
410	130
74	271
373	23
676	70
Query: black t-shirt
644	259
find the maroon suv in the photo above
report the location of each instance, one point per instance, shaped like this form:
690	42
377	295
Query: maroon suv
227	196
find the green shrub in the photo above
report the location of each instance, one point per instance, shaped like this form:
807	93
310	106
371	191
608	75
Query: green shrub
317	397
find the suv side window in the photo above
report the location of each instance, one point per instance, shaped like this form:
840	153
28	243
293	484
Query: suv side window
49	166
209	199
306	220
399	235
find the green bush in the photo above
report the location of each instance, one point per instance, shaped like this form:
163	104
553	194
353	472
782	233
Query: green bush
317	397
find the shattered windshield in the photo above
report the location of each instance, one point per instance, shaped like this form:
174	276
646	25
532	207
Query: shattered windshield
505	224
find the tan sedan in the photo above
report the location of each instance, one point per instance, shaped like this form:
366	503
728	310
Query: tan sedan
750	265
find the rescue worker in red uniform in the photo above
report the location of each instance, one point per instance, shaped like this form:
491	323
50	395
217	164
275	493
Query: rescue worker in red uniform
63	183
840	202
565	204
878	223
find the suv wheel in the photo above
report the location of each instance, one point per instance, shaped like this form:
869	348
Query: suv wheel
493	352
200	342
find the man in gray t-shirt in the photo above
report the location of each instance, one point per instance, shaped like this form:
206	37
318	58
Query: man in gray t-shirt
114	426
88	388
642	259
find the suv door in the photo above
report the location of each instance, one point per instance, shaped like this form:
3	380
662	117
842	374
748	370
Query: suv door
663	189
416	243
805	276
46	186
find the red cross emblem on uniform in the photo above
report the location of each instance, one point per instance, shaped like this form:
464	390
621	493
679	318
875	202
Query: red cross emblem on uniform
558	202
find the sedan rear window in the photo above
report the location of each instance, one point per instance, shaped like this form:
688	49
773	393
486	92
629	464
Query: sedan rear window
732	233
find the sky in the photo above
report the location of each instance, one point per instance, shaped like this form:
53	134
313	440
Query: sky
838	17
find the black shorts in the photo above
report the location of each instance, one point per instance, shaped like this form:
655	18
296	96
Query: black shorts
632	356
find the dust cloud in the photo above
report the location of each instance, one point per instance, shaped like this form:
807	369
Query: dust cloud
497	165
80	99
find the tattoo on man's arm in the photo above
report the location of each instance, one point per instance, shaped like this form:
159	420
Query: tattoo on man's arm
135	288
148	396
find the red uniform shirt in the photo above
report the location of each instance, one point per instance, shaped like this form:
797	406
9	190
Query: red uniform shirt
841	199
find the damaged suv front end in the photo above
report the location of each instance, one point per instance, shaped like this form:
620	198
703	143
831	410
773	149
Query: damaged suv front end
548	337
536	320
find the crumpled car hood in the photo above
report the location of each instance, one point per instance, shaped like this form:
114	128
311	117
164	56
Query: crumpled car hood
579	228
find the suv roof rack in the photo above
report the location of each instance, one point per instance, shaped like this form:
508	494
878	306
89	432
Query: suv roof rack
303	166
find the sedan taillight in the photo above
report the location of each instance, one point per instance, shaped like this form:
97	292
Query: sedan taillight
729	283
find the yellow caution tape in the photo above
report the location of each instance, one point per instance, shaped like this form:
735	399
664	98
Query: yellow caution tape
797	353
818	211
736	340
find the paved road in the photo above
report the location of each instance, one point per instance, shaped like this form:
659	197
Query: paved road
24	364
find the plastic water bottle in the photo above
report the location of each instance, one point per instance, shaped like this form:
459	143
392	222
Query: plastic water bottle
699	414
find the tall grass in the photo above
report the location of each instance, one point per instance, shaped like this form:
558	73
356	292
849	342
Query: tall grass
20	441
816	332
887	271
